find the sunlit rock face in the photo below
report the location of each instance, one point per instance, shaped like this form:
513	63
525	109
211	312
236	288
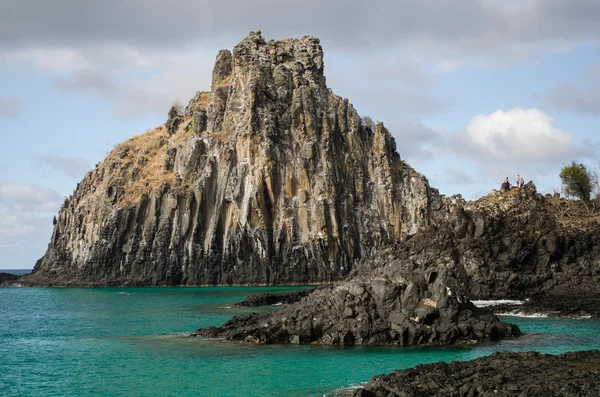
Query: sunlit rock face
270	178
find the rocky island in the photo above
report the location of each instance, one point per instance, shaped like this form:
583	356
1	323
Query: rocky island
270	178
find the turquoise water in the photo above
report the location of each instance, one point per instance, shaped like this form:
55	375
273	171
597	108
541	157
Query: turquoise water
130	342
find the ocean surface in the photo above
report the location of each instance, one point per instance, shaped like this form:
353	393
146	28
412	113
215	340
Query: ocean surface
131	342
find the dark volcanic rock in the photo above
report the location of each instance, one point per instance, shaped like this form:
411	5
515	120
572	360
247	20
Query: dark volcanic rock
274	299
501	374
7	278
370	312
504	246
268	179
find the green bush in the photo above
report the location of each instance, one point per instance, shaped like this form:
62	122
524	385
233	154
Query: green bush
577	181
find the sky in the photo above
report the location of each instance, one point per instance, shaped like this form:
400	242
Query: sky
473	91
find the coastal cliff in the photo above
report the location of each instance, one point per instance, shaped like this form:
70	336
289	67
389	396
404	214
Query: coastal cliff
270	178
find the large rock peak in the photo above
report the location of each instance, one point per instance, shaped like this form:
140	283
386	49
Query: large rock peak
267	178
260	80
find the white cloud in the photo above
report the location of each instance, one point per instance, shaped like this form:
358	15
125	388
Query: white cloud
56	60
75	167
177	77
122	56
22	197
25	222
525	136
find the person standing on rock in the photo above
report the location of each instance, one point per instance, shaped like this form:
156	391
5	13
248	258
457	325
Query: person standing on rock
521	182
505	187
517	180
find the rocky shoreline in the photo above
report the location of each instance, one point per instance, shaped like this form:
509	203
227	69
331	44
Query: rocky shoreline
574	374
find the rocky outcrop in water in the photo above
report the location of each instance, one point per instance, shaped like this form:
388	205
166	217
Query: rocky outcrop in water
501	374
405	310
269	178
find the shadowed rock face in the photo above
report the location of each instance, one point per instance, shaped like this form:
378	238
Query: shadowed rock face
275	299
270	178
514	245
501	374
7	278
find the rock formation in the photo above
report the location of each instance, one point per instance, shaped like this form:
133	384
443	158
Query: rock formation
505	245
280	298
516	244
370	311
8	278
269	178
501	374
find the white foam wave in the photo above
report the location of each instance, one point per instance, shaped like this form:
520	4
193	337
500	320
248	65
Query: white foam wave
524	315
487	303
277	304
345	391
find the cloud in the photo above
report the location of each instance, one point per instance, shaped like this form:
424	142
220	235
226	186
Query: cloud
22	197
86	80
580	98
24	236
572	97
20	225
524	136
75	167
178	79
26	213
457	176
137	84
414	140
10	107
132	55
471	27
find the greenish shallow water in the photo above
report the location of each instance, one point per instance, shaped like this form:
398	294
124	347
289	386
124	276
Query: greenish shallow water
130	342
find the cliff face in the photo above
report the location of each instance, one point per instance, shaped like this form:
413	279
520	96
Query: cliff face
269	178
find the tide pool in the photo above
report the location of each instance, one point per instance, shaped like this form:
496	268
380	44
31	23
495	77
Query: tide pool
131	342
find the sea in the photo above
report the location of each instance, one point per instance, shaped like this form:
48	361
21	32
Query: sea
133	342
